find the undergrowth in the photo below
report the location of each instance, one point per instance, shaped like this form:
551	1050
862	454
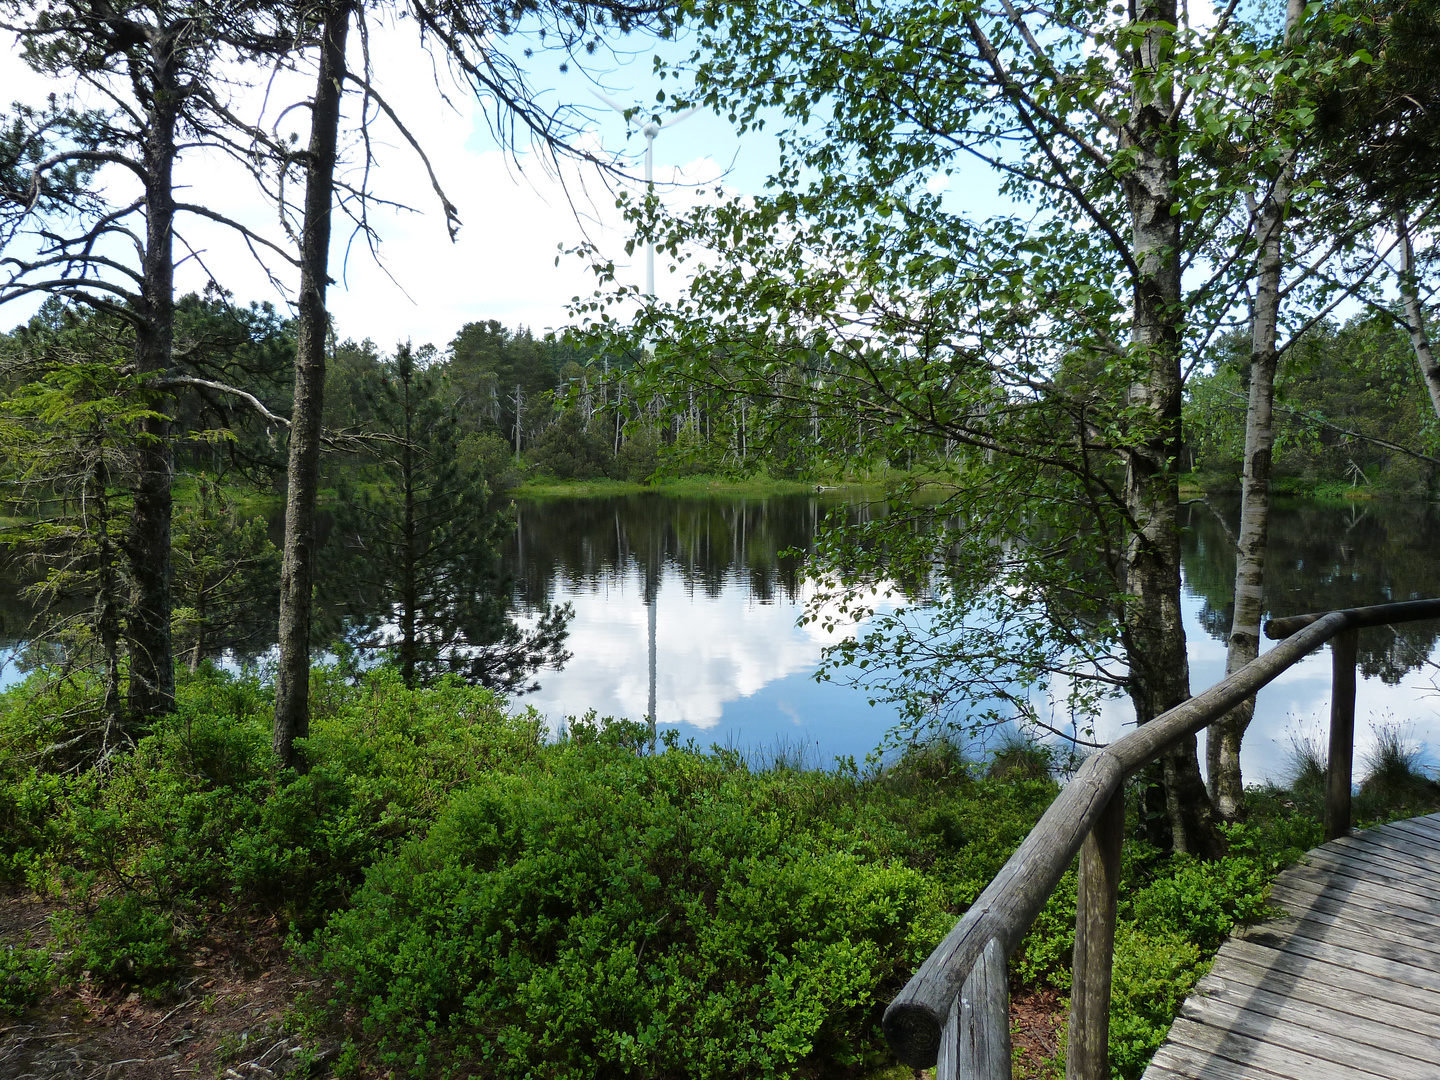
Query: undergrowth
483	900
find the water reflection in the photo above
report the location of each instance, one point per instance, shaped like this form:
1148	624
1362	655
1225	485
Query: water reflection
714	588
686	609
1323	556
731	665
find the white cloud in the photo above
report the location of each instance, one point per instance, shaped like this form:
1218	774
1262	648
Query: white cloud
516	213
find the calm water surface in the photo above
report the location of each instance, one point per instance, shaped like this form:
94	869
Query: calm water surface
731	665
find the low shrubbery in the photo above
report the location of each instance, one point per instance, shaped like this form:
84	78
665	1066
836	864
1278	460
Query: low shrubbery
486	901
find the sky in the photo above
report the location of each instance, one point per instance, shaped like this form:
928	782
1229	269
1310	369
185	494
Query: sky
516	214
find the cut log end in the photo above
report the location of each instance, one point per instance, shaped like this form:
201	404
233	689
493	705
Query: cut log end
913	1032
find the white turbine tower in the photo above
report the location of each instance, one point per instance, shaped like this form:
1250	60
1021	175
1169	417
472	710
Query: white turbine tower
649	130
652	571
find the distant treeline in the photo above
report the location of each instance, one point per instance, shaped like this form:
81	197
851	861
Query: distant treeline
1350	412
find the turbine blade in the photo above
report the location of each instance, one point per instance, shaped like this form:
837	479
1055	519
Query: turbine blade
683	116
610	101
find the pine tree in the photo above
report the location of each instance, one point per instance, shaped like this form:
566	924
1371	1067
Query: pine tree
69	433
424	537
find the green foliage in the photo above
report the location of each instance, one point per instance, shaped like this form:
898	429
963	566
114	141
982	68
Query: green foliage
69	434
197	816
1203	900
24	974
1153	973
125	941
485	899
1347	398
418	539
616	914
226	570
570	449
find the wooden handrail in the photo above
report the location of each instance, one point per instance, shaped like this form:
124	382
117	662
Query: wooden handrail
926	1011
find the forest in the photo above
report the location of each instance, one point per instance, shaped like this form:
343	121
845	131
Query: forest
269	788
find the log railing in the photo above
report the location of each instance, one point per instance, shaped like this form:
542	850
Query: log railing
955	1010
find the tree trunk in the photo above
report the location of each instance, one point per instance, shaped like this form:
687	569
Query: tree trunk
1415	314
1154	631
107	623
200	613
1223	739
408	590
152	663
292	684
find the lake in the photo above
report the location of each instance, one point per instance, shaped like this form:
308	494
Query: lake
704	594
731	666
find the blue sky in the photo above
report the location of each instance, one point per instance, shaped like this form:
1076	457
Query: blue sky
516	215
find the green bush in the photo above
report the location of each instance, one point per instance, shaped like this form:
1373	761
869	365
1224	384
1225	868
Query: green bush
125	941
1203	900
198	814
614	914
493	903
23	977
1154	971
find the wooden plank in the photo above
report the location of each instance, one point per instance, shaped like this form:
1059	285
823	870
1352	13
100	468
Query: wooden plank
1340	975
1382	1030
1366	870
1243	1049
1407	847
1201	1067
1335	1047
1297	898
1365	1001
1422	828
1386	935
1424	831
1412	954
1384	862
1421	859
1345	885
1359	893
1426	978
1346	985
1431	820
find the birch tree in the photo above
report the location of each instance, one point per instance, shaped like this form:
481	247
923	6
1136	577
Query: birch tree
1269	205
1048	345
1383	141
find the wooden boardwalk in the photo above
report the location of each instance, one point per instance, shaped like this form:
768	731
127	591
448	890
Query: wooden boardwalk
1346	985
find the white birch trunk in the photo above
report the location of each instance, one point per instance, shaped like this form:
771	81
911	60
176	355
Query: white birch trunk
1415	314
1222	750
1154	630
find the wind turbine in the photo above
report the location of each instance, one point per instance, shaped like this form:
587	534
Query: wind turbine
649	130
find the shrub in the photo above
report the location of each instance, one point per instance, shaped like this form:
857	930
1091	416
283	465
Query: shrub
616	915
1203	900
23	976
572	450
1154	971
198	814
125	941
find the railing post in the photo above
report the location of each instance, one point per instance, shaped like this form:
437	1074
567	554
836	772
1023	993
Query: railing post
1343	648
1088	1053
976	1041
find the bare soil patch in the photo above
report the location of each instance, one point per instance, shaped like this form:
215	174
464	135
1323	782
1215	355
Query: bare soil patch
224	1015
